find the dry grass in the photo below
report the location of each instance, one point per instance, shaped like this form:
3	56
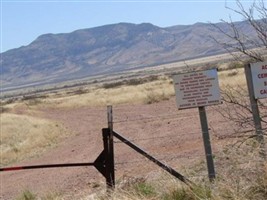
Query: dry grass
24	136
232	78
122	92
150	92
146	92
241	175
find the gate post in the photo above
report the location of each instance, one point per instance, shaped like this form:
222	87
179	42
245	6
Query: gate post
109	151
109	159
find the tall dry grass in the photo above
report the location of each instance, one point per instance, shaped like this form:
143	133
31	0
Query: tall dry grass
25	136
145	92
134	91
241	175
148	92
232	78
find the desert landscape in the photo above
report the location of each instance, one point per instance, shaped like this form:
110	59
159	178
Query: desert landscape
66	127
178	88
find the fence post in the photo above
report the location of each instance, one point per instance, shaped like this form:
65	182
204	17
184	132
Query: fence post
109	151
255	110
109	165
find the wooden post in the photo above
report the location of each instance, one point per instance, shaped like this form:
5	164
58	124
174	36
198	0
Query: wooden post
206	140
255	109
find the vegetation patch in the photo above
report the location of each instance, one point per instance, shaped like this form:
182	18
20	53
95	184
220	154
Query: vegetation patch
145	189
27	195
4	109
24	136
134	81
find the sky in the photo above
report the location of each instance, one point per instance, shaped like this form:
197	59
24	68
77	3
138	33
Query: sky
22	21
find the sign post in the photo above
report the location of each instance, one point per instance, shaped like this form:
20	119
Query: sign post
206	140
256	75
199	89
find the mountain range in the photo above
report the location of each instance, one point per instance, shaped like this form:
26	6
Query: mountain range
109	49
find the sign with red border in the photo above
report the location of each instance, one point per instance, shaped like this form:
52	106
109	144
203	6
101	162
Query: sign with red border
259	79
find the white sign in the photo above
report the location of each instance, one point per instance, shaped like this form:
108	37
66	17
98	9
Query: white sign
197	89
259	79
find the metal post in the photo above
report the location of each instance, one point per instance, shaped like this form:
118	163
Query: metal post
110	118
109	165
206	140
110	150
255	109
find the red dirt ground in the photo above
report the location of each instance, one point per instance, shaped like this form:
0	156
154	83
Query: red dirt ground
172	136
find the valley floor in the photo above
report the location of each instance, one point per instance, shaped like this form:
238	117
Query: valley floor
172	136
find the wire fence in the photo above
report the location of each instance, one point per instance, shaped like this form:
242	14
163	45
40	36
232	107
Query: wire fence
176	138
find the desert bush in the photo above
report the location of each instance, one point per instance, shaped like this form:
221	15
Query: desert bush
134	81
33	102
113	84
8	101
245	177
28	97
52	196
4	109
232	73
27	195
79	91
24	136
178	194
155	97
235	65
144	189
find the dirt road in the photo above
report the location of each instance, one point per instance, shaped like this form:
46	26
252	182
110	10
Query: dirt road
171	135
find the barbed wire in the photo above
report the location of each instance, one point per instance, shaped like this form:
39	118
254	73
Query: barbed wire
153	118
235	134
165	159
162	159
159	137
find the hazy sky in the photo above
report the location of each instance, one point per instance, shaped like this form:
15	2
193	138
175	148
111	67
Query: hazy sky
22	21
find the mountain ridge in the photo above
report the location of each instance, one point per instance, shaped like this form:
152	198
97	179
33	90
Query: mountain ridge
108	49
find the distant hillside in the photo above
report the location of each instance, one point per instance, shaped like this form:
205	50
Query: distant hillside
108	49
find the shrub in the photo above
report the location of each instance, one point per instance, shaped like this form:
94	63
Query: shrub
145	189
113	84
155	97
178	194
27	195
232	73
235	65
3	109
134	81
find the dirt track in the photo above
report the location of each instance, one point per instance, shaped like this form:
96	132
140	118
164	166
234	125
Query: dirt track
171	135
